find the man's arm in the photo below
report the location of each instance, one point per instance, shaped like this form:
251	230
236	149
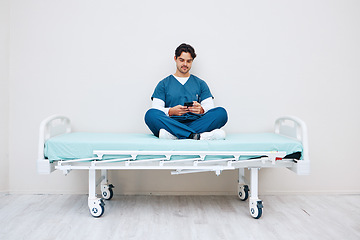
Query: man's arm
196	108
160	105
202	108
207	104
179	110
174	111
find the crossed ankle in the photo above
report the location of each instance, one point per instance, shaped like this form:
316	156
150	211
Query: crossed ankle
195	136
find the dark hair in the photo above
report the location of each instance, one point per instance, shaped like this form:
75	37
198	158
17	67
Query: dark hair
185	48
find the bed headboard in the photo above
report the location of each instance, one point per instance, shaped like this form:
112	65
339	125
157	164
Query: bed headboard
50	127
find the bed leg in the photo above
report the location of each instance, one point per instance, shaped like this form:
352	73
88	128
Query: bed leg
96	205
106	188
255	204
243	188
242	178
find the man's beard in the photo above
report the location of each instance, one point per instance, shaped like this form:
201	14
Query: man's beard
184	71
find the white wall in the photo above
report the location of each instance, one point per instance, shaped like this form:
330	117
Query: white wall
99	61
4	95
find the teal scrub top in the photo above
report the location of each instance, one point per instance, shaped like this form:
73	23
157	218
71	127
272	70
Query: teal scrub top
173	93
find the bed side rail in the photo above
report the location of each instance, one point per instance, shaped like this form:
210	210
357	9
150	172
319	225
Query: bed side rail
296	128
50	127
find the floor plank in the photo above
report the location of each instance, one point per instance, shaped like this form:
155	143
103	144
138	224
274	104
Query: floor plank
180	217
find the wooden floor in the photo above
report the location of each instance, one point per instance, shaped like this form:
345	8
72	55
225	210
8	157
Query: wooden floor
180	217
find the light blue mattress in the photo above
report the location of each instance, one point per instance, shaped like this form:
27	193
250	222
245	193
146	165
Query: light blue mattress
81	144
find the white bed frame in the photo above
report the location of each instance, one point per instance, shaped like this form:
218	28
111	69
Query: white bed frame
289	126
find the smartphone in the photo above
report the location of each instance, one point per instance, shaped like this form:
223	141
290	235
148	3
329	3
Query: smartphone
188	104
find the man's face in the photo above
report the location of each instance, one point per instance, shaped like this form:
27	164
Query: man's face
184	62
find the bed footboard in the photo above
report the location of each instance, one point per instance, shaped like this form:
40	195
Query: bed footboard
50	127
296	128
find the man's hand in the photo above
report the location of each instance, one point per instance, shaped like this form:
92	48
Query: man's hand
196	108
178	110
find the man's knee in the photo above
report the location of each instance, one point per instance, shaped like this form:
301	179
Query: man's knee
221	114
221	111
152	114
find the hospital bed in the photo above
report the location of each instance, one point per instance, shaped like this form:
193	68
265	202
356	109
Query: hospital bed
64	150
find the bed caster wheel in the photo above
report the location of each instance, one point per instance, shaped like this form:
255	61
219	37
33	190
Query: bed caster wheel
107	192
243	192
97	209
256	211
